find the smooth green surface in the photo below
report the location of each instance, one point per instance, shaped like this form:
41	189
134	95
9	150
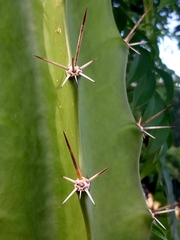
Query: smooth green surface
27	202
33	114
108	133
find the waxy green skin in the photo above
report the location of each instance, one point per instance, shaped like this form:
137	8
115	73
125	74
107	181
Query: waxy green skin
108	133
96	117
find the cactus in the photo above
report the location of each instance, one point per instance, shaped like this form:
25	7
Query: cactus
96	117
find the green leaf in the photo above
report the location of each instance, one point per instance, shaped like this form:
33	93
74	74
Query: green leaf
154	106
120	18
139	66
164	3
157	230
160	137
168	188
144	90
148	164
168	84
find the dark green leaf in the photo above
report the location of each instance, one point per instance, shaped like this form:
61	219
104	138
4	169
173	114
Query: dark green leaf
148	165
154	106
160	137
144	90
157	230
168	84
164	3
139	66
120	18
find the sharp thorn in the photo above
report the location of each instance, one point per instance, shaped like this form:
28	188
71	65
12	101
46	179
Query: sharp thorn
73	65
74	190
97	174
134	50
167	206
52	62
139	122
76	79
68	76
154	218
88	193
69	179
165	211
137	43
78	172
132	32
90	79
149	134
80	37
87	64
156	115
159	223
157	127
